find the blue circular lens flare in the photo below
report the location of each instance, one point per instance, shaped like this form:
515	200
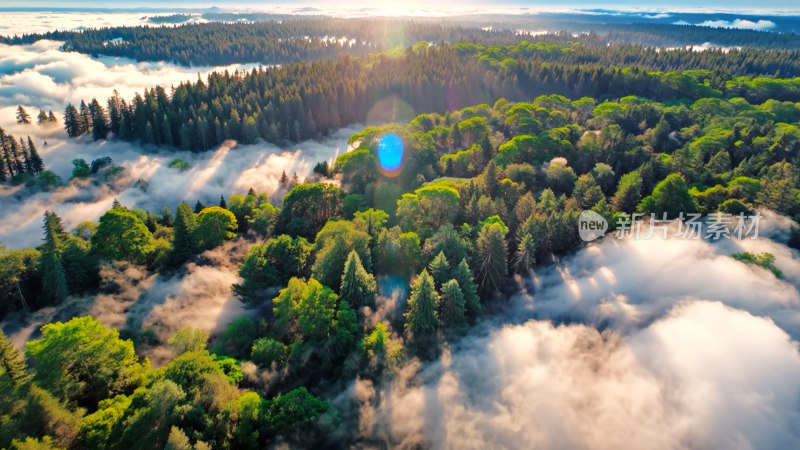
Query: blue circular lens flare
390	152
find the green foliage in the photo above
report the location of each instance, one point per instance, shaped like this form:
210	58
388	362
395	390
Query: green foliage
446	240
272	264
121	235
179	165
80	169
305	312
97	428
428	208
397	252
764	260
440	269
268	351
358	168
183	235
11	361
307	207
421	315
50	264
177	440
156	411
188	369
670	197
492	253
214	226
587	192
188	339
629	192
561	178
333	245
294	411
463	276
82	361
238	337
452	307
358	286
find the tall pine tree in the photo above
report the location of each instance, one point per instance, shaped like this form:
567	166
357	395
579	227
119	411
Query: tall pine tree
99	120
421	316
183	242
440	269
85	118
463	275
452	307
72	121
54	281
358	286
33	155
11	360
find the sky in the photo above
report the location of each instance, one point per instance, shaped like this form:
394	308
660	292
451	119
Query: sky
659	5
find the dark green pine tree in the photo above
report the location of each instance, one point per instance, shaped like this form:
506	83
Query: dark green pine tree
166	217
472	303
6	167
222	203
33	155
421	320
183	243
85	118
198	207
4	176
25	156
492	248
16	157
440	269
358	286
54	281
51	117
11	360
72	121
99	120
452	307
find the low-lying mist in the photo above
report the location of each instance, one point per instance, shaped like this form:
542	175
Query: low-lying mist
147	181
39	76
623	345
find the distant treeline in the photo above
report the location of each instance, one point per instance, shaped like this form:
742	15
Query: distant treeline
300	101
296	39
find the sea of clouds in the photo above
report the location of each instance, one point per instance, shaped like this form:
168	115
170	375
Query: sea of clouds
40	76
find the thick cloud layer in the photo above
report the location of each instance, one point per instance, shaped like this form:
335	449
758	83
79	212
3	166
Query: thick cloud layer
41	76
625	345
223	171
18	23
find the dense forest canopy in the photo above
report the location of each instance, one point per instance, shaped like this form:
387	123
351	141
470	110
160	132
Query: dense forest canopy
300	101
502	147
483	192
286	39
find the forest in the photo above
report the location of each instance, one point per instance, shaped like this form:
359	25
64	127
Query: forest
282	39
301	101
514	143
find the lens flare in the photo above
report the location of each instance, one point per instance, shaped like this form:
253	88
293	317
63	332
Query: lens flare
390	153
